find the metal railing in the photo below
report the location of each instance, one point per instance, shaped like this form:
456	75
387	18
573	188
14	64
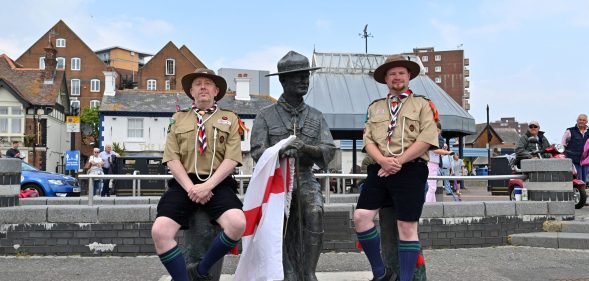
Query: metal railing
324	178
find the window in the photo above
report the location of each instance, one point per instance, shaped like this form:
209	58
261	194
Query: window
11	120
60	43
438	69
424	58
60	63
151	85
76	64
438	79
94	85
167	85
94	103
425	69
75	87
135	128
170	67
75	107
438	58
42	63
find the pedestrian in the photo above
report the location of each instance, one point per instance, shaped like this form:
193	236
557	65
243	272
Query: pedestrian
585	158
399	131
203	147
313	146
445	165
13	152
433	166
574	139
458	170
96	164
107	156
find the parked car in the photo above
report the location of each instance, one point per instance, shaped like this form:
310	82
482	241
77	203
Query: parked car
48	184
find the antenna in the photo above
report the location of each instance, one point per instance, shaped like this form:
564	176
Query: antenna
365	35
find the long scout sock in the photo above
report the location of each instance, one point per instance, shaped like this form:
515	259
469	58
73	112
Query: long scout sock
370	241
218	249
408	253
173	260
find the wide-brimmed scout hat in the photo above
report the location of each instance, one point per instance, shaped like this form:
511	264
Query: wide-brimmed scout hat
203	72
396	61
293	62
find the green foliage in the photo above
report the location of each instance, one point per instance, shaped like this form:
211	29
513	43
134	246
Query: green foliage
89	120
118	148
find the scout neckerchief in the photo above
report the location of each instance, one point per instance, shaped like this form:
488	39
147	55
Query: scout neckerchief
395	107
200	122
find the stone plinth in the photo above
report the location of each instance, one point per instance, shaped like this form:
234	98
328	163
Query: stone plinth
9	181
548	179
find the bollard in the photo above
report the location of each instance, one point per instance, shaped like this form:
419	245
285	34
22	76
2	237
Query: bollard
10	169
548	179
196	241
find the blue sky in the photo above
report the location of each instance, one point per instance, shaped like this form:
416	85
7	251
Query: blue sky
527	58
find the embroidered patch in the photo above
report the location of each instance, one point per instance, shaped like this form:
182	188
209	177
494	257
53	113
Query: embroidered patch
411	128
224	118
221	139
379	110
224	122
172	121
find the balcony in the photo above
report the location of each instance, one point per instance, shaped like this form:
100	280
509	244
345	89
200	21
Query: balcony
466	83
466	105
466	94
466	73
466	62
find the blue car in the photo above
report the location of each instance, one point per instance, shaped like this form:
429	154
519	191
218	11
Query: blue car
48	184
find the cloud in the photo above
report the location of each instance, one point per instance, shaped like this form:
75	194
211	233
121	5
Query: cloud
264	59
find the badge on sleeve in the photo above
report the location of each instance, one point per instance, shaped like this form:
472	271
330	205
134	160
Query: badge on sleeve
411	128
221	139
172	122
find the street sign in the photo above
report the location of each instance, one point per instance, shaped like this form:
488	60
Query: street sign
72	160
72	124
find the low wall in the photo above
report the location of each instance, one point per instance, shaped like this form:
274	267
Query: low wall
121	226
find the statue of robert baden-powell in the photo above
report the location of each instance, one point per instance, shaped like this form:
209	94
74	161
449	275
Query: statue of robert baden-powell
313	145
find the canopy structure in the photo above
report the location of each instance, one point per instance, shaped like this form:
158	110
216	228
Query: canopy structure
343	88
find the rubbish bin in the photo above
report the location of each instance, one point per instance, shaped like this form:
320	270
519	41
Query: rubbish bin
145	165
482	171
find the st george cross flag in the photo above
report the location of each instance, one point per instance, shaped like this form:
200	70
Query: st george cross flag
264	206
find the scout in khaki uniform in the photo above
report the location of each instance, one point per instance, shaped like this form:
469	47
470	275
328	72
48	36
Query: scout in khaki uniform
398	134
202	149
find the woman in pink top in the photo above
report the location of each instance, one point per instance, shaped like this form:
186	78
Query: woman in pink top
585	157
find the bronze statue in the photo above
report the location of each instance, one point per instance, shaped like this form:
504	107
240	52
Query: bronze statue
314	145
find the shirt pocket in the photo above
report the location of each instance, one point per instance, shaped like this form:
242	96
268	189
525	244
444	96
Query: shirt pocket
276	134
222	136
378	128
411	126
185	136
310	130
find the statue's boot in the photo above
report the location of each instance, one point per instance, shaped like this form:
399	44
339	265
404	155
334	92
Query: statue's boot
288	267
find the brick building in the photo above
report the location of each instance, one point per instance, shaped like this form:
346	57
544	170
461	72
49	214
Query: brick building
126	63
33	106
510	122
449	70
165	69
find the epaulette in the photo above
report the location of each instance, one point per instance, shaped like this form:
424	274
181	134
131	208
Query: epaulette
432	106
376	101
228	111
186	109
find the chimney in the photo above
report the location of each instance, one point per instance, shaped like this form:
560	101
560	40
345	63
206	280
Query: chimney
50	64
242	87
110	80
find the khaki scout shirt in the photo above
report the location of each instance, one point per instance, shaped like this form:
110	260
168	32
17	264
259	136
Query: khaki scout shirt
181	140
415	122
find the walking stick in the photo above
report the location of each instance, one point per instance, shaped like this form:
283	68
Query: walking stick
299	209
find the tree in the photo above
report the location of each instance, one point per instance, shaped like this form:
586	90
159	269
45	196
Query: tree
89	123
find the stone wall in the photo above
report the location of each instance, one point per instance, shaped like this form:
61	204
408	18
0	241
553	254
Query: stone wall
121	226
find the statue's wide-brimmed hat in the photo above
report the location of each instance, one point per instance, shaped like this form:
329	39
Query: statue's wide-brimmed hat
396	61
203	72
293	62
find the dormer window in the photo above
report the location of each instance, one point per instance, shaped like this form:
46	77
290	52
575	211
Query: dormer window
170	67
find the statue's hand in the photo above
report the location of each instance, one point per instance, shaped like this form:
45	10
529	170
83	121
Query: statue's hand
288	153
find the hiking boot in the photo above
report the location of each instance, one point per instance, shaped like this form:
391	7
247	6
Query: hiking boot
194	275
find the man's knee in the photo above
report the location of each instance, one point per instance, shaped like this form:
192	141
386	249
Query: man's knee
363	219
164	229
233	223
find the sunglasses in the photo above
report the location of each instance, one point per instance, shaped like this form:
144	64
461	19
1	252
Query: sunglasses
533	127
96	151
